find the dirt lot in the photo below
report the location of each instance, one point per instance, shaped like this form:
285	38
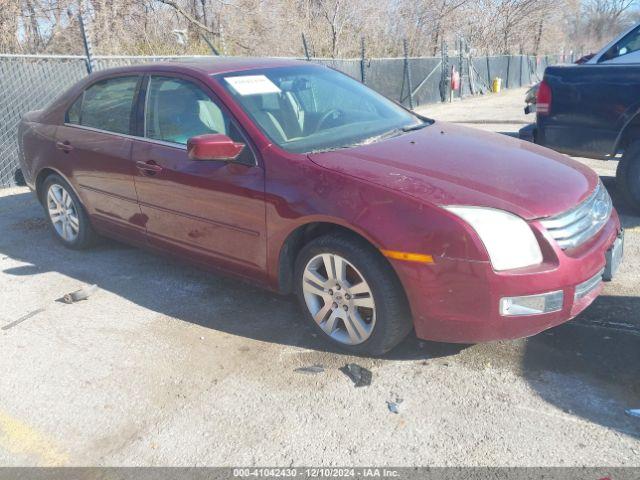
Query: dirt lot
167	365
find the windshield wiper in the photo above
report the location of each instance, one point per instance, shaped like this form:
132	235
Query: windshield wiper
376	138
411	128
394	132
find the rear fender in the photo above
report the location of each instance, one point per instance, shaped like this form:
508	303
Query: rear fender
44	173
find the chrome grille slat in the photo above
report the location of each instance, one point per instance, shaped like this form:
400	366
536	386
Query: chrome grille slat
576	226
565	219
570	230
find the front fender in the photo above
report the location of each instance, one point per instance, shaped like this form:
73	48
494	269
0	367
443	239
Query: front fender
301	192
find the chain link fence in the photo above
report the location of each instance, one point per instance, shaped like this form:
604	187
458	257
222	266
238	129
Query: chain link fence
31	82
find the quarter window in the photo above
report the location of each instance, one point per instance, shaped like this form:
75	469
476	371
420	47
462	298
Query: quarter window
73	114
106	105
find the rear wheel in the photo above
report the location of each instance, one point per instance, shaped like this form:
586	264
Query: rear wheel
628	175
351	295
67	217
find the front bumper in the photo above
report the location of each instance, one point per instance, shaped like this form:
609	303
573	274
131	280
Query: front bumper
459	301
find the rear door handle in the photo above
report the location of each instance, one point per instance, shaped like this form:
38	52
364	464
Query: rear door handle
149	167
64	146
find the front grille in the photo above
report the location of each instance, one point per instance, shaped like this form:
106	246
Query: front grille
571	229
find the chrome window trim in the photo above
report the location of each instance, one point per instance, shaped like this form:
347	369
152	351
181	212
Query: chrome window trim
124	135
144	106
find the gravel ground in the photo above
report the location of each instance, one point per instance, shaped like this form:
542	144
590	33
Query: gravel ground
167	365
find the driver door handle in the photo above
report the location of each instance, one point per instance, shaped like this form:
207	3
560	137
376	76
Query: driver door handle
65	146
148	168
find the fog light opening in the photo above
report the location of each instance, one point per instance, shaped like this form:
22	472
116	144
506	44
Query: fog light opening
532	304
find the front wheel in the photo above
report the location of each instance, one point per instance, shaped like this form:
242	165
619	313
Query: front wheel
351	294
628	175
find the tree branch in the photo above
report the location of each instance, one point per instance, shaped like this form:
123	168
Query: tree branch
187	16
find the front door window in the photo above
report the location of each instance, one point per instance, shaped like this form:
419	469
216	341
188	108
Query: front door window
177	110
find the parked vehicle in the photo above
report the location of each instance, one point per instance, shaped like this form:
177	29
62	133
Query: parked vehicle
301	179
593	110
625	48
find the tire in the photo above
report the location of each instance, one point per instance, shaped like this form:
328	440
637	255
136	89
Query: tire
73	229
364	317
628	176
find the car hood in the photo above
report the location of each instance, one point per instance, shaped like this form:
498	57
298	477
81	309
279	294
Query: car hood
447	164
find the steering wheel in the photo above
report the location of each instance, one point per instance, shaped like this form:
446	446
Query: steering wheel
331	114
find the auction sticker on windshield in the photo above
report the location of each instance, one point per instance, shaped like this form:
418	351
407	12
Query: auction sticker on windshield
252	85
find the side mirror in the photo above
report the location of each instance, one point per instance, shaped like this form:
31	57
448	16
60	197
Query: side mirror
213	146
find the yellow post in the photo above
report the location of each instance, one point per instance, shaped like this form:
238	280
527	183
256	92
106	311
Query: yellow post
496	85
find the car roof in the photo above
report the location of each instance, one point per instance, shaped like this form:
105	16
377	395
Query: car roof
209	65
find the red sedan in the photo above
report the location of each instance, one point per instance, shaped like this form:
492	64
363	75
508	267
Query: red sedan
299	178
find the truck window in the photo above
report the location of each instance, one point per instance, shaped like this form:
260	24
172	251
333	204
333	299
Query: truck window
628	44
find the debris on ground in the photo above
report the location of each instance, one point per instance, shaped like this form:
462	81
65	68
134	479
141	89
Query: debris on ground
394	407
633	412
360	376
81	294
31	224
311	370
23	318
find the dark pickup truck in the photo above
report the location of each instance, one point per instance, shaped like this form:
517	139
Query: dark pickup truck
593	111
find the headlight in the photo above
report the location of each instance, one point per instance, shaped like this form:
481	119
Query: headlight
508	239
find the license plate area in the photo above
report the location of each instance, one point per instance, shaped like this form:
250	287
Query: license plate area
614	258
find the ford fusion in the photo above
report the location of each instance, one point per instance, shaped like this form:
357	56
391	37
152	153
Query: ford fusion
302	180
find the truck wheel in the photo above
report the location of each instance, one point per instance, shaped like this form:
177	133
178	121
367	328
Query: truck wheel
628	175
351	295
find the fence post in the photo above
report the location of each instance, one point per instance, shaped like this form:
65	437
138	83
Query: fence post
363	76
210	45
471	70
489	73
445	80
521	65
508	68
306	48
88	50
460	67
407	71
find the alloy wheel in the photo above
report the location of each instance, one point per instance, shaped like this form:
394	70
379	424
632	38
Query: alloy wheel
63	213
339	298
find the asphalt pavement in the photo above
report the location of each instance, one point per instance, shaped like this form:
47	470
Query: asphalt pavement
169	365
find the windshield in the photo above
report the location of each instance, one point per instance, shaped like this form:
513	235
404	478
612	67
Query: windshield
308	109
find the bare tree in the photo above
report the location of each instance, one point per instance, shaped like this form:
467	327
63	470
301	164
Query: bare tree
333	28
604	17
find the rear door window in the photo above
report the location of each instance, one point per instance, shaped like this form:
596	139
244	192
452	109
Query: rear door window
106	105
